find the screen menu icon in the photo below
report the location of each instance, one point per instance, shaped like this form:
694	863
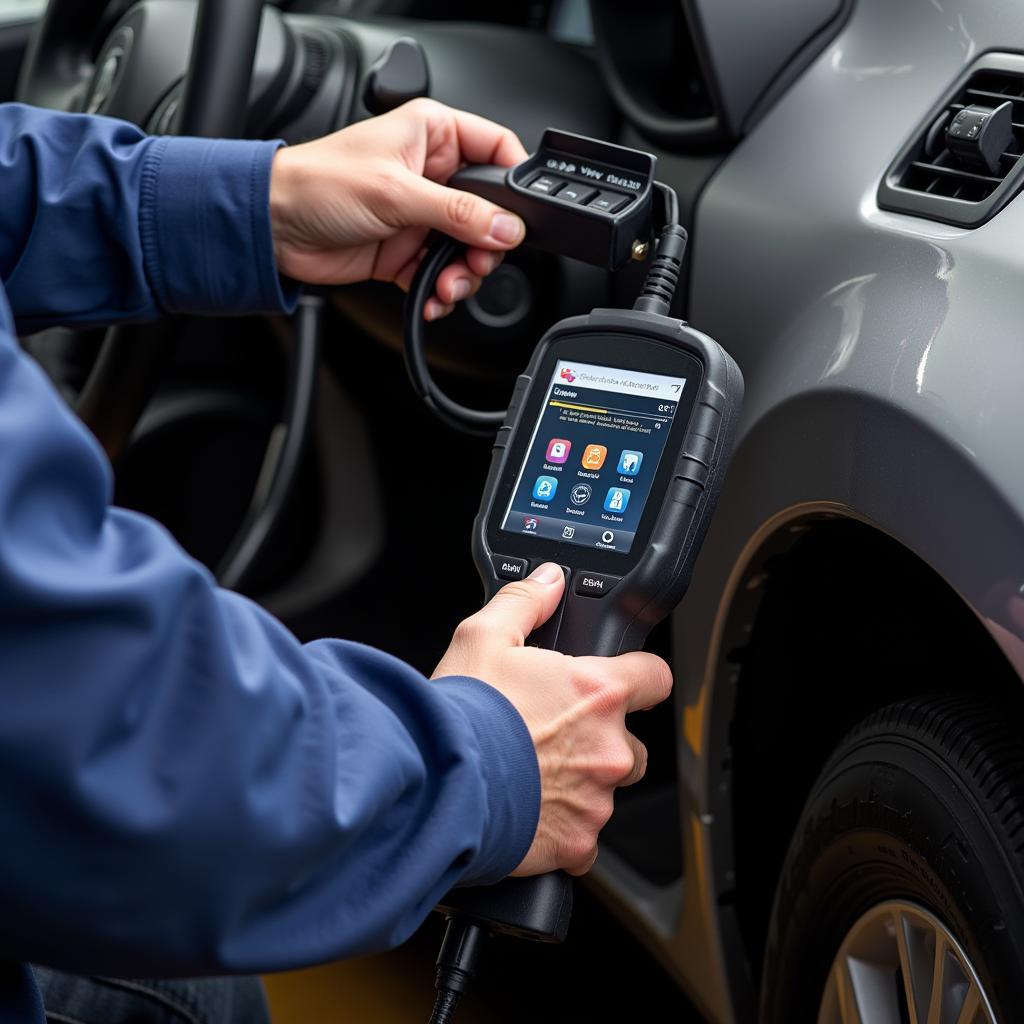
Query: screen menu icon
617	499
629	462
594	456
558	451
545	487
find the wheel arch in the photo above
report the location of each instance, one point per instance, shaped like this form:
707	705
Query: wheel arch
830	481
816	661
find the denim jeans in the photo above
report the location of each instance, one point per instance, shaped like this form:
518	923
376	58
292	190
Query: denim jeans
70	999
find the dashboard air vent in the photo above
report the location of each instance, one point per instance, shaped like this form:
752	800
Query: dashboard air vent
928	180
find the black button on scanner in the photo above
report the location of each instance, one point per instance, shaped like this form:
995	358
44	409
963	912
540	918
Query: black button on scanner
577	193
547	184
508	568
609	202
594	584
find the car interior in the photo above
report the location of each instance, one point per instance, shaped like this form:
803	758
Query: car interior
365	507
369	538
291	456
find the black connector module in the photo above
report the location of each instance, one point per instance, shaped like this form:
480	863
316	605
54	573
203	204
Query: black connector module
578	197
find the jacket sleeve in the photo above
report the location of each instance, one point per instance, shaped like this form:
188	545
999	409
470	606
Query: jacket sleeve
186	789
100	222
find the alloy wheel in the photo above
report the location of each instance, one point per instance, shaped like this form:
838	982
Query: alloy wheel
899	964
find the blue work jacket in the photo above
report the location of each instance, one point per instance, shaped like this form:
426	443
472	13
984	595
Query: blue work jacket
184	788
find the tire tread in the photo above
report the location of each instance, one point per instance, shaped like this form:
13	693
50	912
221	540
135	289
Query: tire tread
982	745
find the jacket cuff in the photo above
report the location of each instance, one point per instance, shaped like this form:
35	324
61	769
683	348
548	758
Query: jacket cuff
510	774
204	220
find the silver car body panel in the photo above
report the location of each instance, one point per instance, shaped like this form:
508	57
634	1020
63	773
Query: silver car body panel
884	364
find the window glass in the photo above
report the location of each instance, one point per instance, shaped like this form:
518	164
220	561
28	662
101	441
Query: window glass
20	10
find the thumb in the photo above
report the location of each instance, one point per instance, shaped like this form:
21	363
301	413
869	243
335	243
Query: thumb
519	608
461	215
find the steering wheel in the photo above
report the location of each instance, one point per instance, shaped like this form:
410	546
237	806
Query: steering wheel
147	52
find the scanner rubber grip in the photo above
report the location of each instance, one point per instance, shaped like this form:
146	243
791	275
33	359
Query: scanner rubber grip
537	908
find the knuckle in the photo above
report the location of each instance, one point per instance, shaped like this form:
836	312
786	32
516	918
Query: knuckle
639	769
469	631
581	865
580	849
600	812
460	207
608	696
621	765
421	105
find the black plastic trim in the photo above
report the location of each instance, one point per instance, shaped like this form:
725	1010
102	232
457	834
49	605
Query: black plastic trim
14	41
671	130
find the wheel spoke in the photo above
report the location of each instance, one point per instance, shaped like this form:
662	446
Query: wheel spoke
938	979
900	964
848	1012
874	991
972	1011
916	966
956	987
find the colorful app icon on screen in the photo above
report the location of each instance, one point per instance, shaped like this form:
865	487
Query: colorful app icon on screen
616	499
594	456
558	450
545	487
629	462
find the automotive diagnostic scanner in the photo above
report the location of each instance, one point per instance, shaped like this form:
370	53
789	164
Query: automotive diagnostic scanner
608	460
609	464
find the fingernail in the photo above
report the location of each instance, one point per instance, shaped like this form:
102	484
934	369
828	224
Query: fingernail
460	289
507	228
546	573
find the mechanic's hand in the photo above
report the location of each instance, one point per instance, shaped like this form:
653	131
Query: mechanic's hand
358	204
574	708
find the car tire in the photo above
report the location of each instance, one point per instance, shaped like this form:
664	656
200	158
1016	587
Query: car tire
921	807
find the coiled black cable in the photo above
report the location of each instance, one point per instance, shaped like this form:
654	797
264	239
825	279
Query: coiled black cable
471	421
669	204
656	297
